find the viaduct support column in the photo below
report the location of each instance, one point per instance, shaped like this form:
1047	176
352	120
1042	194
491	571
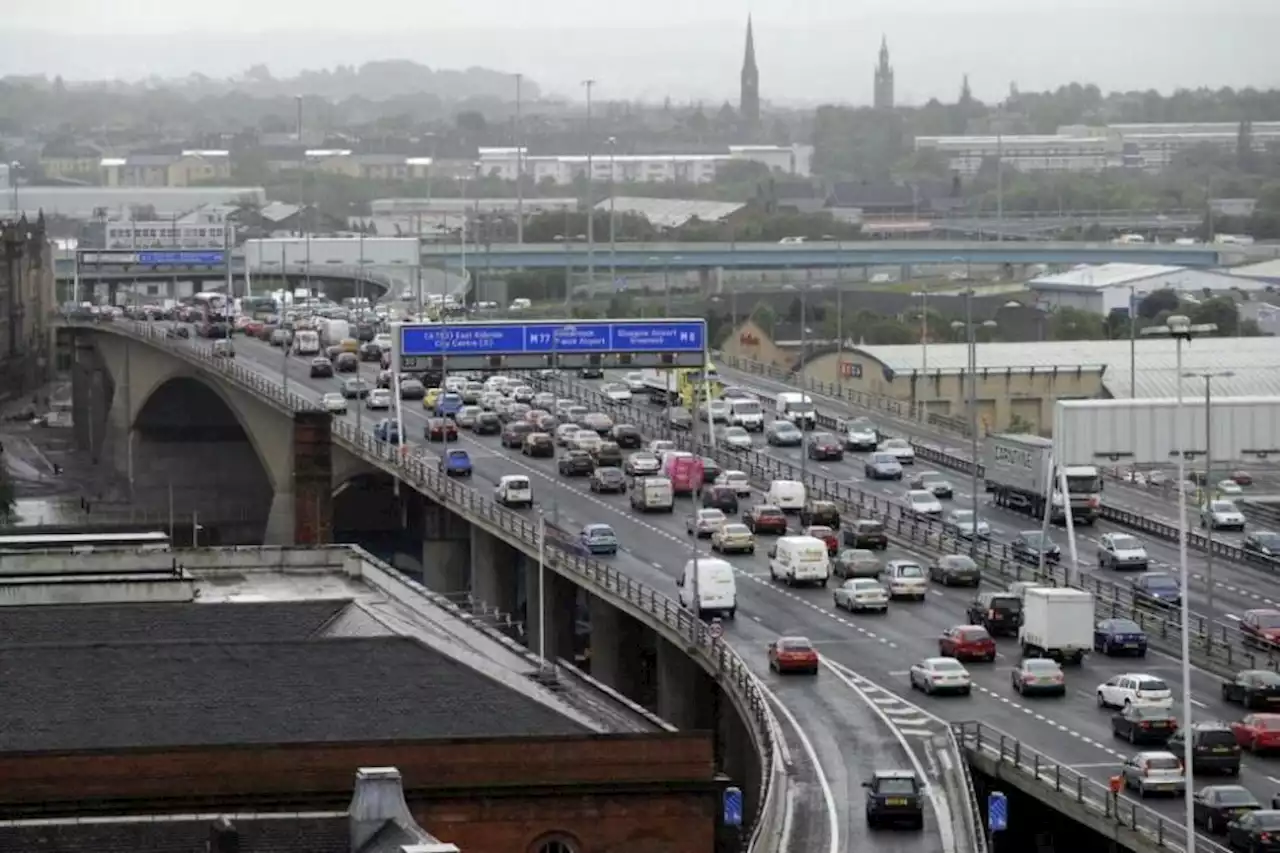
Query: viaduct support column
685	692
82	378
446	550
493	571
305	510
615	648
558	610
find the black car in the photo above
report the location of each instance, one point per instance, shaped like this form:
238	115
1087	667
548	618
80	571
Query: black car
1157	589
575	463
370	352
722	498
895	797
820	512
321	368
1263	543
998	612
513	434
538	444
710	470
487	423
1028	545
1119	636
608	455
1256	831
385	378
627	436
1215	806
1213	748
591	373
1143	724
346	363
1255	689
823	446
608	480
355	389
865	533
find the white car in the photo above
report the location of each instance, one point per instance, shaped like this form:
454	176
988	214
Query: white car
1117	551
634	381
522	394
660	446
1155	771
736	437
564	434
334	403
1229	487
907	579
941	675
860	435
615	392
379	398
1221	515
899	449
924	502
1134	688
586	439
704	522
736	480
717	410
858	594
960	522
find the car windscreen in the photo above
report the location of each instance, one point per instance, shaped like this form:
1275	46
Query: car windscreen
896	787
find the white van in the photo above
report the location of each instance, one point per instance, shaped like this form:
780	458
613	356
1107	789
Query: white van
800	560
306	343
746	414
786	495
717	587
514	490
797	408
653	494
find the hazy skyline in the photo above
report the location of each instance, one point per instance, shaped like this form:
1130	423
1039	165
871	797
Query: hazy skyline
812	50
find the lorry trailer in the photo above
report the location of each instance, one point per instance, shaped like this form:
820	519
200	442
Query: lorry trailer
1018	475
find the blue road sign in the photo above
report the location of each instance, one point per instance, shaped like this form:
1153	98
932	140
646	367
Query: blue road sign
997	811
181	258
592	337
732	806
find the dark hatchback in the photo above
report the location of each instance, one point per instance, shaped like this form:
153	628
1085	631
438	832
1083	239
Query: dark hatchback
820	512
608	455
1119	637
538	444
1029	545
825	446
346	362
722	498
321	368
1216	806
575	463
608	481
895	797
627	436
865	533
513	434
999	612
710	470
1213	748
1255	831
1255	689
487	423
1143	724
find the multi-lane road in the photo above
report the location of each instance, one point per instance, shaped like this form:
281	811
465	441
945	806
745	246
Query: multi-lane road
838	727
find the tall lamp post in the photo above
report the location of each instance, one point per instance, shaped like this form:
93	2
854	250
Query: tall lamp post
970	329
591	204
1208	377
519	134
1179	327
613	218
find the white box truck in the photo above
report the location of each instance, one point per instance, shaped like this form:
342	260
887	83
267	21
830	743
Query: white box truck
1056	623
334	332
1015	474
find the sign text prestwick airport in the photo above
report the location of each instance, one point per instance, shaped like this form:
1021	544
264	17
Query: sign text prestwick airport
155	258
641	343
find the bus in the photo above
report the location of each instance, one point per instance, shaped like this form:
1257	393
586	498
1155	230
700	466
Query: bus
84	543
212	304
261	308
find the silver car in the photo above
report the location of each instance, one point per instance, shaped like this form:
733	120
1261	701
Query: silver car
704	522
860	594
1155	772
1121	551
641	463
736	437
883	466
960	523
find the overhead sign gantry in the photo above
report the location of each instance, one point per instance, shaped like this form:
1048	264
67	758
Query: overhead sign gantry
545	344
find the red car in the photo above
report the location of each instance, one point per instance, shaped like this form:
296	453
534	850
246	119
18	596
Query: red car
765	518
1258	732
967	642
441	429
1242	478
1261	626
793	654
826	534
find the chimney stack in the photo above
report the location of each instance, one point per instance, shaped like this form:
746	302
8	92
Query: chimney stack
377	799
223	837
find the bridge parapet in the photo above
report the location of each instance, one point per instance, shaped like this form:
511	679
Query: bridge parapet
1133	826
657	611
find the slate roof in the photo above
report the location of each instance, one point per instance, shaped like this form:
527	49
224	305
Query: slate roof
301	834
97	623
63	697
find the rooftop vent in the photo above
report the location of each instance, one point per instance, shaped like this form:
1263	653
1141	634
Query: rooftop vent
377	799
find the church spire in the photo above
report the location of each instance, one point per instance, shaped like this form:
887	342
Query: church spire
749	102
883	89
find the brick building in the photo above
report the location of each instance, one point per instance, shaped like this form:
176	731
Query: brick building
27	299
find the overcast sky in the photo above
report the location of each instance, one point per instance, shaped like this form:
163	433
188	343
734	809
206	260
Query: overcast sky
809	50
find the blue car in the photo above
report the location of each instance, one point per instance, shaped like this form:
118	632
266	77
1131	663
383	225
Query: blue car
599	539
1157	589
457	463
387	431
449	405
1119	637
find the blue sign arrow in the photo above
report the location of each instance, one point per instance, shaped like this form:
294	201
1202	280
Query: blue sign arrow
732	806
997	811
596	337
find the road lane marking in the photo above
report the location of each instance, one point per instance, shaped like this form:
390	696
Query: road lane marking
828	796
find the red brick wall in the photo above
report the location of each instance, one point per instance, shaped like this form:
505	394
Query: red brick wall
312	478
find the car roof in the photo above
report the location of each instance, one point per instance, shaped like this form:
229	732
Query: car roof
894	774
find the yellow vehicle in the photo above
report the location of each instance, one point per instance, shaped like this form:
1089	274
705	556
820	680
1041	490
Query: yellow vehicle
350	345
432	397
692	388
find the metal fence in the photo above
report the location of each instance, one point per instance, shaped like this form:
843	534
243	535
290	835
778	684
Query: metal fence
654	609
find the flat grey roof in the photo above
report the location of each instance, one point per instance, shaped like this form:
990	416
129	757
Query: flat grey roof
81	202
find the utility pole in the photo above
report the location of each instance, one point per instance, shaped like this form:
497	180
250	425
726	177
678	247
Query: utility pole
591	210
519	165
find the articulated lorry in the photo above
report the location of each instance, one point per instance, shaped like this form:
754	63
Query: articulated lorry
1019	479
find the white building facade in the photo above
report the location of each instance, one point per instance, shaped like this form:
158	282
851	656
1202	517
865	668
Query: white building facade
563	169
1109	287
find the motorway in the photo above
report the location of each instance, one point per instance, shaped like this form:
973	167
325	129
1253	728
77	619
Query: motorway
844	745
834	737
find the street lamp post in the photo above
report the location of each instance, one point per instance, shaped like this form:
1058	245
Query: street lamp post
519	164
591	209
1208	377
970	329
613	218
1179	328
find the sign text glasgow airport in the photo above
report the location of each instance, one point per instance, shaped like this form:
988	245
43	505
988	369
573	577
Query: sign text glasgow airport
671	343
166	258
